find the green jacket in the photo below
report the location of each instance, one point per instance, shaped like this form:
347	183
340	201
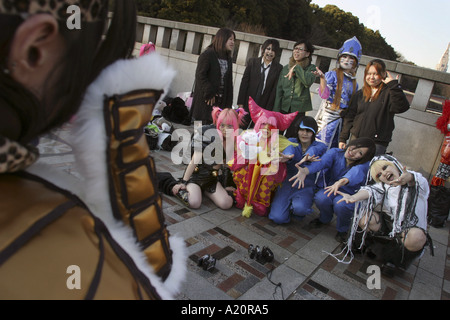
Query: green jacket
293	95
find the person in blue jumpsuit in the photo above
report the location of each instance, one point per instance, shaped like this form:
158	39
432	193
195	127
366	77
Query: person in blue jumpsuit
289	201
344	170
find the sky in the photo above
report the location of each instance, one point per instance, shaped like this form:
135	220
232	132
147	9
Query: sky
417	29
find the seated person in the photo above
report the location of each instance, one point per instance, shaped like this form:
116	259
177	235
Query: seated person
391	214
290	201
207	168
258	174
344	170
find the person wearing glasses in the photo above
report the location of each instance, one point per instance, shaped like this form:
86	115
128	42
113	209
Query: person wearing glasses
294	82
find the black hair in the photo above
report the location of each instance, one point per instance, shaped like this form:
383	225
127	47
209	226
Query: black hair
363	143
275	46
309	46
85	57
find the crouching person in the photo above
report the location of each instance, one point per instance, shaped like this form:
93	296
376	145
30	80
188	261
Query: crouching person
390	221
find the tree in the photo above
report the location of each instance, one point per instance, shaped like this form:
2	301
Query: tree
149	8
340	26
298	22
274	15
203	12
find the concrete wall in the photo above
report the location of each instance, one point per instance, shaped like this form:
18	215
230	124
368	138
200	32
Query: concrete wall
416	141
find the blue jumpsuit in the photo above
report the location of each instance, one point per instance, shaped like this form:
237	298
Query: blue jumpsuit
289	200
333	167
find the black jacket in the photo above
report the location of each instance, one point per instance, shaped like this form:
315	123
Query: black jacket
374	119
207	84
250	81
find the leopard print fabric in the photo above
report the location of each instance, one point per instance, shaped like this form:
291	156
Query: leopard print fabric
91	10
15	157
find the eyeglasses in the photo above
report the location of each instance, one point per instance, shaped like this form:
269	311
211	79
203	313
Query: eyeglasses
299	49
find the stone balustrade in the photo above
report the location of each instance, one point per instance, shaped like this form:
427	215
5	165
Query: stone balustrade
416	141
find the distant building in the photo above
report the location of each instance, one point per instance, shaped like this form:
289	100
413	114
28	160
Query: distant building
443	64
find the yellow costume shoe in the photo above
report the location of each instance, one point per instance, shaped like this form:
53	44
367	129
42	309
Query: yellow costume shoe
247	212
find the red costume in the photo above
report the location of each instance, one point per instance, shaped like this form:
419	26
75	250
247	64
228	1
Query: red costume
257	176
443	124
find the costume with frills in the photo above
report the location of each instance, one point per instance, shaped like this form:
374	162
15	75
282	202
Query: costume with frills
329	114
257	178
400	208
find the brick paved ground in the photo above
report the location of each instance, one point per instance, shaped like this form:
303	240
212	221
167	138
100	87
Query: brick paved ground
301	270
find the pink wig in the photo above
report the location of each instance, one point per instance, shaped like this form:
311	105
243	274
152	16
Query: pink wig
228	116
263	119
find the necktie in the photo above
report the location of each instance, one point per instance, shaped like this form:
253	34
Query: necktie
261	82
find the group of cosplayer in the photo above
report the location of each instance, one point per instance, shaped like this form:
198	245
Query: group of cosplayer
380	206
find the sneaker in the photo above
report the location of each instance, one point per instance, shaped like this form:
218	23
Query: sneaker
183	195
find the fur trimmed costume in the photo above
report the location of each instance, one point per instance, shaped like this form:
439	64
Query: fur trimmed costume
110	221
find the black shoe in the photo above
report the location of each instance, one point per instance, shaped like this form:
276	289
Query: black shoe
316	223
388	269
341	237
183	195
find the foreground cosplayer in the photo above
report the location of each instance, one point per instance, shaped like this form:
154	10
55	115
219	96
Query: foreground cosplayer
103	234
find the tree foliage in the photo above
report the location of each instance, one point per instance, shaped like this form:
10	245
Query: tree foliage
284	19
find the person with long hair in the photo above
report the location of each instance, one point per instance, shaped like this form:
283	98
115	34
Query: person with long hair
343	170
260	78
207	172
372	109
213	84
295	80
101	235
259	165
336	89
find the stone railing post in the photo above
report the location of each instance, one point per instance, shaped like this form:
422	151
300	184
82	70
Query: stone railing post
174	39
160	37
242	55
422	94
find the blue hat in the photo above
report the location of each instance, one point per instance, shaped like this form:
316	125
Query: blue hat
351	47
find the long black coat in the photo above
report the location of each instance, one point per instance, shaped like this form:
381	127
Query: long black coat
250	81
206	87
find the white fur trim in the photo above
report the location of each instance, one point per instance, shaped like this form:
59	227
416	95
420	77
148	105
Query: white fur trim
88	140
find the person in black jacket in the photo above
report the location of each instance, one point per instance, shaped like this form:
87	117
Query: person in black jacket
213	77
372	109
261	77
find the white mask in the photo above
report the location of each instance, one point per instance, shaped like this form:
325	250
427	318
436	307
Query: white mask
346	62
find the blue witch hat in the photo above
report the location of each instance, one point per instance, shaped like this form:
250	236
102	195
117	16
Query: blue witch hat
351	47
